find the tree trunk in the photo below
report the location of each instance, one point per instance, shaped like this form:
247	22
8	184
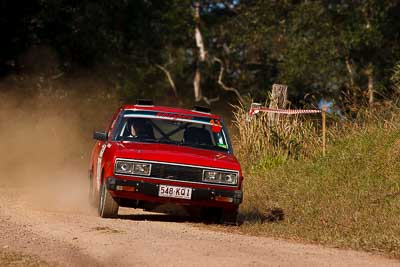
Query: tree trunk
351	72
169	77
196	85
201	54
370	75
222	84
278	100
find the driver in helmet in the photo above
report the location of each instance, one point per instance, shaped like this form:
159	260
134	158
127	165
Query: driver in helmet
140	128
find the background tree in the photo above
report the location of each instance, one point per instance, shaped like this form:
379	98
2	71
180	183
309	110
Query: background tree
326	49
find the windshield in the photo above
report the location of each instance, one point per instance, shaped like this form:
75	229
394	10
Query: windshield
172	128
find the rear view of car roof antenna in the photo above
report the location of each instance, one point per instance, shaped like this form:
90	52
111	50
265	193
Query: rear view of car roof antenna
202	109
144	102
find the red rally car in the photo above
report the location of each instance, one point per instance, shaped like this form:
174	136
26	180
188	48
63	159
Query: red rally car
150	155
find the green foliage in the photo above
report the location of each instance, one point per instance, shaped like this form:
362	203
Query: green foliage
308	45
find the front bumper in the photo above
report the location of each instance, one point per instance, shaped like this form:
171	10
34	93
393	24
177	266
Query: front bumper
152	189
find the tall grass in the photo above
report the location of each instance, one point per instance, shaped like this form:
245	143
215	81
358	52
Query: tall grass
268	144
265	144
349	198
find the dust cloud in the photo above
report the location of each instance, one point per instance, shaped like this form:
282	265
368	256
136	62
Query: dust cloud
46	125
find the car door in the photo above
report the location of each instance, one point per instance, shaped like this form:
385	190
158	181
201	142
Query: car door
99	150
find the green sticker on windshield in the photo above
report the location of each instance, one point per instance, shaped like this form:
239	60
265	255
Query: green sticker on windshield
222	145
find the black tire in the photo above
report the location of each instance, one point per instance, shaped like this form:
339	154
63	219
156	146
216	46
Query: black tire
221	216
108	207
211	215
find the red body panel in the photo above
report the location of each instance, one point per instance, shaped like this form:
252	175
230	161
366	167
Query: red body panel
104	155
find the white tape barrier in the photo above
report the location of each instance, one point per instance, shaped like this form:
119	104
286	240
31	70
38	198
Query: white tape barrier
254	111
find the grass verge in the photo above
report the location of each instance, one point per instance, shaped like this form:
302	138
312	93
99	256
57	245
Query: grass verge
350	198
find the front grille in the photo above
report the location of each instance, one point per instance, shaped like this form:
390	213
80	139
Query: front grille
176	172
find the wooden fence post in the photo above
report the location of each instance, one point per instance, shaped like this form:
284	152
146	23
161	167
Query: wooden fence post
324	108
278	100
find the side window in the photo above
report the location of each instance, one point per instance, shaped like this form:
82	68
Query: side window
111	127
114	124
124	129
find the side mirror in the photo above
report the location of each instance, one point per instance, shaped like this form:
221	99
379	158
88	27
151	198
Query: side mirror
101	136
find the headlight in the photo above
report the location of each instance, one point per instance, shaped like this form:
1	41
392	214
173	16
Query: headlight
220	177
132	167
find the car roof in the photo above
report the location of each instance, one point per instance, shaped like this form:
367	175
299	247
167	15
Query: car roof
170	110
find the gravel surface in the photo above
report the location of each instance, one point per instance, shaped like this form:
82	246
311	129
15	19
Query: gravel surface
60	234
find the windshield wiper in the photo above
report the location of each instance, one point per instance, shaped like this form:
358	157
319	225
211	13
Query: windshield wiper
139	139
179	143
159	141
167	141
203	145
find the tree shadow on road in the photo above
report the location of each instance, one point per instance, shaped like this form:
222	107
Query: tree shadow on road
164	213
250	216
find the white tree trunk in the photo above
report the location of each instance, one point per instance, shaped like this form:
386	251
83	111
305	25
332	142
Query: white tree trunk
370	89
196	85
350	72
200	44
201	55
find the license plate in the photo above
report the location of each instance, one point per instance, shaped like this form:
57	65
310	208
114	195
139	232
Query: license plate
175	192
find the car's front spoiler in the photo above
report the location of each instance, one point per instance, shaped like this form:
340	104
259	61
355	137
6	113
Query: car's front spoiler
198	194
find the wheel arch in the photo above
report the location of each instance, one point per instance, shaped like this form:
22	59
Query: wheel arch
102	175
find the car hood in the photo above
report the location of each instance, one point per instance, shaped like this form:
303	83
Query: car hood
176	154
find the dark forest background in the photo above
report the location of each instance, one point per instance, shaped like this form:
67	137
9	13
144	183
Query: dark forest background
342	51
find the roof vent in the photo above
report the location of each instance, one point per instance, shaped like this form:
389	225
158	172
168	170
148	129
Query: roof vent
202	109
144	102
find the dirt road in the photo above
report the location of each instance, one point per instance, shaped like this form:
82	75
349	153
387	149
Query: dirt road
59	232
45	218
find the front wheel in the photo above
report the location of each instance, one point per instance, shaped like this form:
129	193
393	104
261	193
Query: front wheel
108	207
